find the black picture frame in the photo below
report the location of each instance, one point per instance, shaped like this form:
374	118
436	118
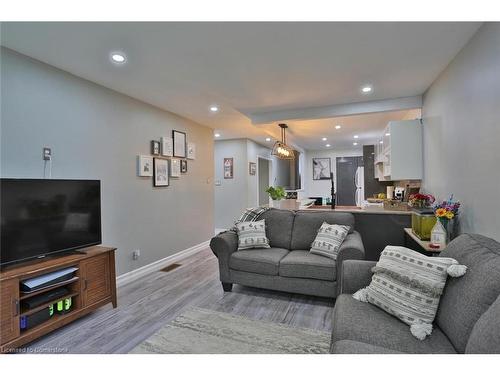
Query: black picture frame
179	138
322	167
155	147
184	166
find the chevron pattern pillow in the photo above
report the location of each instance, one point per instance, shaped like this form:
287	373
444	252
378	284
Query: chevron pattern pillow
252	235
409	285
329	239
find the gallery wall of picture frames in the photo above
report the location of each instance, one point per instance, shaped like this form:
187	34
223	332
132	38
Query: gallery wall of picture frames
169	158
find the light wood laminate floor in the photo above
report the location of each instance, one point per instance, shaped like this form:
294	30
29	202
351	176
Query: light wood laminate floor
145	305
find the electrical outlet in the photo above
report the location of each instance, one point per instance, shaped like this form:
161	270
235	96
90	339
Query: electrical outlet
136	254
47	153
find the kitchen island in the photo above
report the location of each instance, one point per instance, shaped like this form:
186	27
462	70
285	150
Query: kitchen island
378	227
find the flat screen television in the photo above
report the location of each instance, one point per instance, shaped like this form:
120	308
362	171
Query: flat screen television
45	217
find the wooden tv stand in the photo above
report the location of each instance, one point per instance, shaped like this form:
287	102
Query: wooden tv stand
93	286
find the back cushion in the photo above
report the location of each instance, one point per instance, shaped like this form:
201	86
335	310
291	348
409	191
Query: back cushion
279	225
466	298
307	224
485	336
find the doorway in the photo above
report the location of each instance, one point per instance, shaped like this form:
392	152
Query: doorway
263	174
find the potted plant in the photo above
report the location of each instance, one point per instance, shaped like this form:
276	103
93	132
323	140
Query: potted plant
276	193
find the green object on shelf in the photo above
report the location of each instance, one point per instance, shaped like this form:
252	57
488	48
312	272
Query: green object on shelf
422	223
51	310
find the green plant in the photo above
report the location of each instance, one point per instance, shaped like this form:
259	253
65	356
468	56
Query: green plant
276	193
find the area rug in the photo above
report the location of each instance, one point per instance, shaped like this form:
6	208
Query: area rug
200	331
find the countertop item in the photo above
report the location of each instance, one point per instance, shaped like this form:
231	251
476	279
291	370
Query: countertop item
423	244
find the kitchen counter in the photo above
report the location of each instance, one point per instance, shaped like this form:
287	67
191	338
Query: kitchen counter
355	210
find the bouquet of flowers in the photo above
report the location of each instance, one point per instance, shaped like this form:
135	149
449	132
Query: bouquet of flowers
446	210
421	200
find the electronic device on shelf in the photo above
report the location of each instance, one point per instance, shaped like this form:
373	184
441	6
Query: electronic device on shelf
40	299
42	217
36	283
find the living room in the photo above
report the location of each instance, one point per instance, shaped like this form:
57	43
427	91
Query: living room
249	187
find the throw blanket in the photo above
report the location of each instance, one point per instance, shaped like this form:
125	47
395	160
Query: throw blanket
250	214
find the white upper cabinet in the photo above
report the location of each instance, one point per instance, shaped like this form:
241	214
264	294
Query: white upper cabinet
398	154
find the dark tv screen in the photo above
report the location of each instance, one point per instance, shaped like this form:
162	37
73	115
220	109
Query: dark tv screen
43	217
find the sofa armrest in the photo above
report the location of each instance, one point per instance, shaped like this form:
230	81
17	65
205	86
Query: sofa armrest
223	245
351	248
356	274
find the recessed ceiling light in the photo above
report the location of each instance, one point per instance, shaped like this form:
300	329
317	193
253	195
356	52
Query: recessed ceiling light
118	57
268	139
216	135
328	145
337	126
323	139
356	136
214	108
355	144
387	134
366	89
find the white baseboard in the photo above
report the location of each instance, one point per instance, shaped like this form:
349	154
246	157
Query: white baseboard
133	275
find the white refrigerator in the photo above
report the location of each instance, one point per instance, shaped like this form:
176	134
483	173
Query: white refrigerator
359	181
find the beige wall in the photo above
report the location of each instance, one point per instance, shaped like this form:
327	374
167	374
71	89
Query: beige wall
96	133
461	116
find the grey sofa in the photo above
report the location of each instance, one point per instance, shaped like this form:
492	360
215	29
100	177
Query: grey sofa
288	265
467	321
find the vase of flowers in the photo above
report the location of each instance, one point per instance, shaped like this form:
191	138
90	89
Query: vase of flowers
420	201
446	212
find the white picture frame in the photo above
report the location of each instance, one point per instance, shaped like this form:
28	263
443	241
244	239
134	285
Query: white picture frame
167	146
175	168
161	175
179	139
145	166
191	150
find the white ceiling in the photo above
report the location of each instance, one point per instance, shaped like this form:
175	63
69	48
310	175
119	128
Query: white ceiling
248	68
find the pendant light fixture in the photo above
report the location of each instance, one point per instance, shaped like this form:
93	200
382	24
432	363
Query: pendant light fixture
280	149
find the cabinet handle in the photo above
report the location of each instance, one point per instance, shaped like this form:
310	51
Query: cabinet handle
16	307
85	284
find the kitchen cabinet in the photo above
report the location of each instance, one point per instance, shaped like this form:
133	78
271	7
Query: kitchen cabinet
398	153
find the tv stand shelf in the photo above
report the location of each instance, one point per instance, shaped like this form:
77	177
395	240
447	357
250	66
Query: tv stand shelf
93	286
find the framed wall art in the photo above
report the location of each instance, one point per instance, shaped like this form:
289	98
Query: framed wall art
252	168
228	168
160	168
144	166
322	168
175	168
184	166
179	140
167	146
191	151
155	147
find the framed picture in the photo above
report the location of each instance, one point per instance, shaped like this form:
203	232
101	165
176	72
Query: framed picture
175	168
252	168
191	151
155	147
322	168
167	146
184	166
160	177
179	144
228	168
144	165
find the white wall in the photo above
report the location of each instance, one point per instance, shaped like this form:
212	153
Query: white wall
322	188
461	114
96	133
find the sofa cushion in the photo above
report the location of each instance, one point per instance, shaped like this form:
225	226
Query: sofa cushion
252	235
304	264
359	321
307	224
485	336
465	299
263	261
279	225
329	239
356	347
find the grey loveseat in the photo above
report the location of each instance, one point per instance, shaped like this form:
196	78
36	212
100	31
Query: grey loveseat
288	265
467	321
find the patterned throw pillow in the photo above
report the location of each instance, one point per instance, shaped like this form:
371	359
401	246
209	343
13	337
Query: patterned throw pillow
252	235
409	285
329	239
